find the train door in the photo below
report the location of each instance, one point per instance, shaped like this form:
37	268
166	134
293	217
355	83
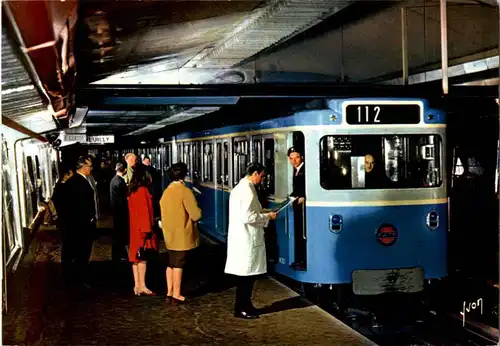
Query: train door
298	180
259	145
222	187
277	189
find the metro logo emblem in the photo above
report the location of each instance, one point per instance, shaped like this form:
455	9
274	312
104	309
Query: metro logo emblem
386	235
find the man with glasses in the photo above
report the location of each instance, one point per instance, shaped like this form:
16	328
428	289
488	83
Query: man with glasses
83	215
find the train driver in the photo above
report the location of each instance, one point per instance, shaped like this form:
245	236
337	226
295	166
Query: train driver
369	163
299	190
374	177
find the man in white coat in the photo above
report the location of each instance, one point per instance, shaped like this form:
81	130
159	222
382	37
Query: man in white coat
246	250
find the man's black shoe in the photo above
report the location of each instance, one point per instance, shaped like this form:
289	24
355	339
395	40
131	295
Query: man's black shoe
246	315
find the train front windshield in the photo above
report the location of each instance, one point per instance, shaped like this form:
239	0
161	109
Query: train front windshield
380	161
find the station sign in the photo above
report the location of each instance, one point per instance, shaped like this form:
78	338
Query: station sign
83	138
75	137
101	139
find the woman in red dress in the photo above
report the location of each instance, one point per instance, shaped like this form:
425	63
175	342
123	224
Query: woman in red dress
140	205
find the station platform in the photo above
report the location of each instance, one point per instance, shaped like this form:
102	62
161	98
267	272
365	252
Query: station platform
42	311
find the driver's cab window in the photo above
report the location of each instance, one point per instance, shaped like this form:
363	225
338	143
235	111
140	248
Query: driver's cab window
380	162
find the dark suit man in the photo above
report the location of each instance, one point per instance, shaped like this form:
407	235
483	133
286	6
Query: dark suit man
119	208
62	203
83	216
299	191
155	187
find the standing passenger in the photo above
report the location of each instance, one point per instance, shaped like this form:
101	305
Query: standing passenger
246	250
155	188
62	202
82	216
131	159
141	220
119	208
179	214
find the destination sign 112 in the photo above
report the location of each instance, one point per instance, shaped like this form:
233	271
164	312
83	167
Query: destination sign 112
380	114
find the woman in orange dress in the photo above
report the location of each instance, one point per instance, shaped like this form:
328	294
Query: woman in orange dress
140	205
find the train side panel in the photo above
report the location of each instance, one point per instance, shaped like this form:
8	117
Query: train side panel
333	257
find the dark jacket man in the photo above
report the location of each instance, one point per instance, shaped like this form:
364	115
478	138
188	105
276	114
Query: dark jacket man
119	206
82	216
118	194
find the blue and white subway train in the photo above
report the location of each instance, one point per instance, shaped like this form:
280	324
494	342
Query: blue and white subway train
382	234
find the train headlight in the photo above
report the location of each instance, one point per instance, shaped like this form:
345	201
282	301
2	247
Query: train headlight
432	220
336	223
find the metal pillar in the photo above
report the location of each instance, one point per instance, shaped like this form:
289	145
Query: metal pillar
404	45
444	46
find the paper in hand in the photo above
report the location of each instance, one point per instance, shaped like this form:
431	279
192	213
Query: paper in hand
285	204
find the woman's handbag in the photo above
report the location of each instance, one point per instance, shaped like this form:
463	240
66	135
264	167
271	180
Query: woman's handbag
144	253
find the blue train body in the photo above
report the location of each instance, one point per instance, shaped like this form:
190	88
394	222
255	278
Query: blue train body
392	238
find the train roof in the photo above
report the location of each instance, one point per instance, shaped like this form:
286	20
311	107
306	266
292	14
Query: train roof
251	102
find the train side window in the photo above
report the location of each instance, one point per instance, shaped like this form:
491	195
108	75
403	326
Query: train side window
240	159
163	158
154	158
225	172
169	155
208	162
37	161
200	160
31	188
380	162
38	181
257	149
29	163
196	160
186	157
54	168
159	159
179	152
219	163
269	164
223	163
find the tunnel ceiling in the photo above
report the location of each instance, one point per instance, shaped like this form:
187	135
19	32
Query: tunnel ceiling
123	40
180	42
120	36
